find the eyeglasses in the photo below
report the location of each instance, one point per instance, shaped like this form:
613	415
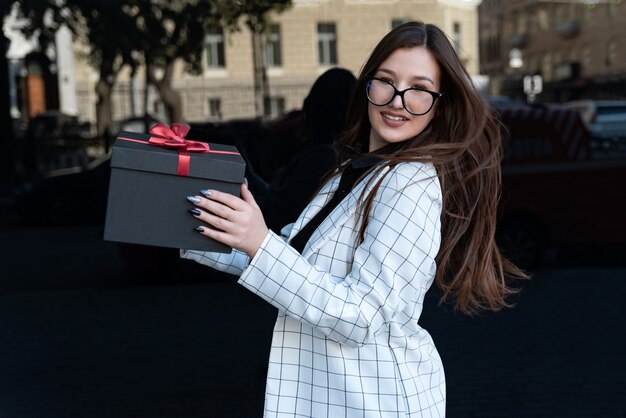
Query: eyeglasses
416	100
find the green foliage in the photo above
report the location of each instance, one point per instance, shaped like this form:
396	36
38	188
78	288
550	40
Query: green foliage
254	12
131	32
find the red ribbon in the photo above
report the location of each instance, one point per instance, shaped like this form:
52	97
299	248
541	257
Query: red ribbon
174	137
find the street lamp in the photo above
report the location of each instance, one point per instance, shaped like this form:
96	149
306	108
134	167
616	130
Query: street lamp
515	58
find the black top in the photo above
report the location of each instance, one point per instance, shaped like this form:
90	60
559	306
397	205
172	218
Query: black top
348	178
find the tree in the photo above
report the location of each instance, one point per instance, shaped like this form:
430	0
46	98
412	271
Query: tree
109	31
103	25
152	33
256	16
174	30
168	31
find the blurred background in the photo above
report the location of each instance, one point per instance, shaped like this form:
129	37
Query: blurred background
92	328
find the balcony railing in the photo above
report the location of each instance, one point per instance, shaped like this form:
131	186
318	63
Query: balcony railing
568	28
519	40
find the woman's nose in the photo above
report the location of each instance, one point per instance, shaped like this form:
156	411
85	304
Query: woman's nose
396	102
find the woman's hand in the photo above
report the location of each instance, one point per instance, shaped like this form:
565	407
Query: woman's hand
238	222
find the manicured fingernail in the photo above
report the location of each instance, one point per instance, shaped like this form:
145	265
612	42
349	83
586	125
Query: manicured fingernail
245	181
199	229
193	199
206	192
194	211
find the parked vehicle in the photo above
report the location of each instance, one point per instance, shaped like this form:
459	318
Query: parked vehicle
54	127
606	119
53	140
557	194
69	196
73	193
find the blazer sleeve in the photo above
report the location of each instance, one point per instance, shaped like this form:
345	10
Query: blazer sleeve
234	262
391	267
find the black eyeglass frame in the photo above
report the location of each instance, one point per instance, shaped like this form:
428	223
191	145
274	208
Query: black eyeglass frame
397	92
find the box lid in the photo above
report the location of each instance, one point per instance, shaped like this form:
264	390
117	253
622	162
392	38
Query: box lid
131	150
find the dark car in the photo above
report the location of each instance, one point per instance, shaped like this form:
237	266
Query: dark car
606	120
557	195
54	140
54	126
75	195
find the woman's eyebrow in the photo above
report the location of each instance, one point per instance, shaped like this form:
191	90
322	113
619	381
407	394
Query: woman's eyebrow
416	77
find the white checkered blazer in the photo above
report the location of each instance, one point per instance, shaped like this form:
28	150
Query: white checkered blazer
346	342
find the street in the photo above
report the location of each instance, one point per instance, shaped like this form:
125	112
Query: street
80	336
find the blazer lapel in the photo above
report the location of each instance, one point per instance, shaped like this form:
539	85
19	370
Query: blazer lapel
338	216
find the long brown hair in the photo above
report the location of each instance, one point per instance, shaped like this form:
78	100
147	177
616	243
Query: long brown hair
463	142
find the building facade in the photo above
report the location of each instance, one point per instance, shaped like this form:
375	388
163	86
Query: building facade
302	43
577	47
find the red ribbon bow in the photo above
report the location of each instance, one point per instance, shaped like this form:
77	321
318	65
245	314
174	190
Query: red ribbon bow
174	137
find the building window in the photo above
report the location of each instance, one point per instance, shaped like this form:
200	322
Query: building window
543	19
533	65
564	13
546	67
611	53
456	37
571	11
559	13
510	27
215	48
533	24
214	109
588	12
496	50
273	56
327	43
521	23
274	106
586	58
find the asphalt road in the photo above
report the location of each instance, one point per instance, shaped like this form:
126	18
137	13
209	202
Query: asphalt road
82	336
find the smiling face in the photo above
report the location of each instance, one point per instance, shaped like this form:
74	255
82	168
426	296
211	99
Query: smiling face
404	68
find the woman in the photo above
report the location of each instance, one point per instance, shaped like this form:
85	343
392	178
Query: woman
414	201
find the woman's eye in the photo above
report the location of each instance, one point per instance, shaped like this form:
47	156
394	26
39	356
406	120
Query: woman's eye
386	80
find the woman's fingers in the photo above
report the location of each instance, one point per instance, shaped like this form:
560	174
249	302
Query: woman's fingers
238	221
225	205
216	220
216	231
226	199
220	236
209	204
220	229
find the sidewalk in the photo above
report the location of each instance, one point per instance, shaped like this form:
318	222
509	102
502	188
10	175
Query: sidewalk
82	338
560	352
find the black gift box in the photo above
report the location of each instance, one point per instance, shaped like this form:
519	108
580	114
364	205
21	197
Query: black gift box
147	194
